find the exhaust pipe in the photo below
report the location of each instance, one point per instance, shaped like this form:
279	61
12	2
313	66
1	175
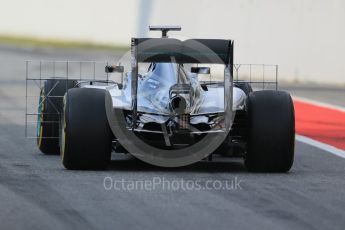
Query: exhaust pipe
178	104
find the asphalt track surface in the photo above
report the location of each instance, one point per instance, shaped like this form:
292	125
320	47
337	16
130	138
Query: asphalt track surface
36	192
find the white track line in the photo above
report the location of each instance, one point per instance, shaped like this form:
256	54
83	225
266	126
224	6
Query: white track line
321	104
320	145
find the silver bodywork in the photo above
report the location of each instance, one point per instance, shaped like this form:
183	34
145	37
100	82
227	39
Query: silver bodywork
154	100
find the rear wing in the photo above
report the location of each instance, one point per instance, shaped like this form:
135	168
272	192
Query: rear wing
211	51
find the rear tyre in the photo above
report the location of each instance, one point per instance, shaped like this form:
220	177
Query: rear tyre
49	110
271	137
85	136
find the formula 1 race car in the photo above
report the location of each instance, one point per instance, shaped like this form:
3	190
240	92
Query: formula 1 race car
169	114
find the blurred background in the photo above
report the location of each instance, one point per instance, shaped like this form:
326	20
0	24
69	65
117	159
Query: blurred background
304	37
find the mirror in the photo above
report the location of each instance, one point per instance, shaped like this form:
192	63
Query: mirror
201	70
114	68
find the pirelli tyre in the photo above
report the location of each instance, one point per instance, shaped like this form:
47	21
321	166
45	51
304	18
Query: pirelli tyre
271	137
49	111
86	137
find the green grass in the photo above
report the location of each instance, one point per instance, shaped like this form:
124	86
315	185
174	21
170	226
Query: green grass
52	43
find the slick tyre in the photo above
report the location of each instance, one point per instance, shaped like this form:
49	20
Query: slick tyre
85	136
49	111
271	136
